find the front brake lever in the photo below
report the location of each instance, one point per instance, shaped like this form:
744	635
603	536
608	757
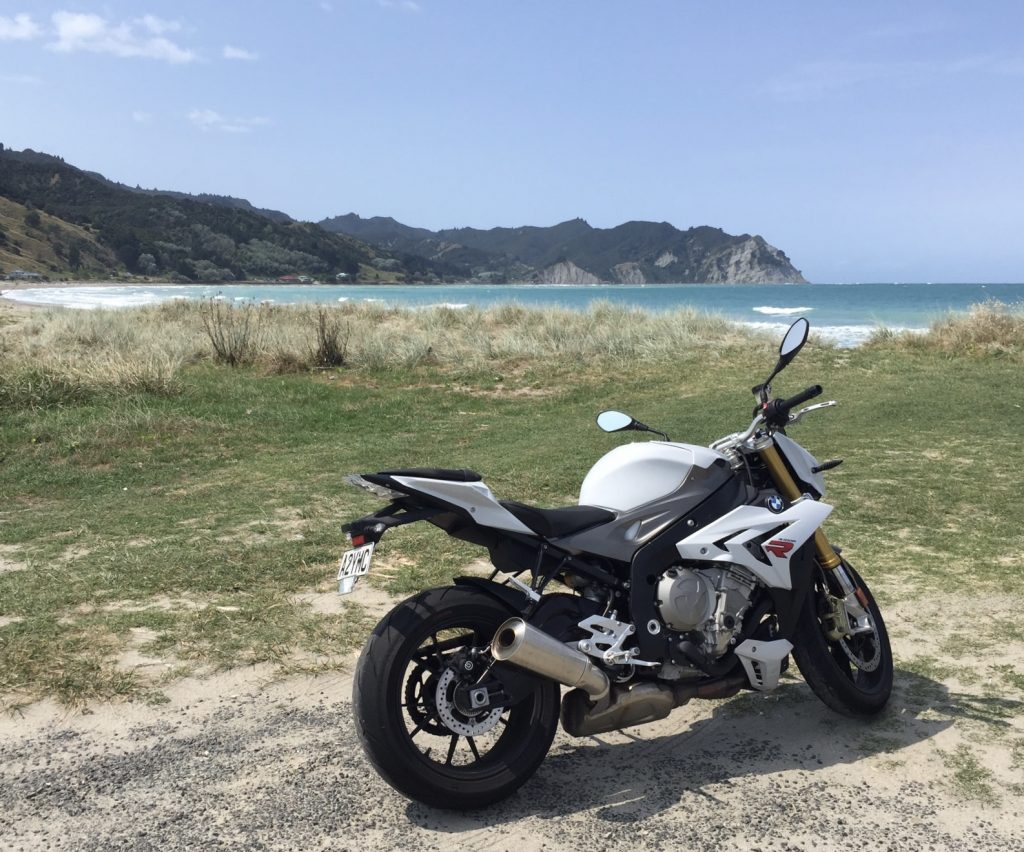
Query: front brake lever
795	418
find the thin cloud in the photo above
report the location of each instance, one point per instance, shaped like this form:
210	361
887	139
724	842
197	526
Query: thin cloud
19	28
142	117
814	80
209	120
231	52
407	5
20	79
158	26
326	6
138	38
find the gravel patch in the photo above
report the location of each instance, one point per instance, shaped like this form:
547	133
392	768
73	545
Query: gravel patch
235	761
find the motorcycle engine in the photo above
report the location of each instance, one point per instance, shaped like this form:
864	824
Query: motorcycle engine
710	601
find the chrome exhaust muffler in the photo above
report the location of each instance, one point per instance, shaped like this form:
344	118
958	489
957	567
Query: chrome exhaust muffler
518	643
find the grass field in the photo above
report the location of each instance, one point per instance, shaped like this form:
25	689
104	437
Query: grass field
158	503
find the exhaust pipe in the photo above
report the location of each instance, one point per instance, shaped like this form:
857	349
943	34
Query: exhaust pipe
639	704
518	643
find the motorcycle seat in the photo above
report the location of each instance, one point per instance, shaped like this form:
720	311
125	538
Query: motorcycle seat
555	523
436	473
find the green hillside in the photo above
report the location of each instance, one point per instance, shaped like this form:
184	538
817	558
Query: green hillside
38	242
174	237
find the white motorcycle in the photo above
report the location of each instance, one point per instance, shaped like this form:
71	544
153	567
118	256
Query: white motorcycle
684	572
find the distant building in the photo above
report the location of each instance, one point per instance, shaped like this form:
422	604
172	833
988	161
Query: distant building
24	275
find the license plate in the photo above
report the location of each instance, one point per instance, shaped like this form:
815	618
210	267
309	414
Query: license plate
354	564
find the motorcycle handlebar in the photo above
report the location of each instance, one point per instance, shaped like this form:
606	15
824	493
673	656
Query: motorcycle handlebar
802	397
773	414
776	412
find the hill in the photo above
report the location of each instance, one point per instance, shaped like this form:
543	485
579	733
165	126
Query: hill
228	201
573	252
167	235
37	242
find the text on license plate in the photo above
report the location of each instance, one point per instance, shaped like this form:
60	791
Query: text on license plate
354	564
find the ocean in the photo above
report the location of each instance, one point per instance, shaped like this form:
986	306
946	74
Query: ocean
845	313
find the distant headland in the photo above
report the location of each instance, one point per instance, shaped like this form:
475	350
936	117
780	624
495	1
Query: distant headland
58	221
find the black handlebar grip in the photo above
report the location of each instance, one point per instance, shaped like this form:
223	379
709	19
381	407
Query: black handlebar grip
803	396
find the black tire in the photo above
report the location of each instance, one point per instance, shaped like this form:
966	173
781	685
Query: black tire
396	714
827	666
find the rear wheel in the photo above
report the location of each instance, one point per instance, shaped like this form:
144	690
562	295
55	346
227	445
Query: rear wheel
851	674
415	724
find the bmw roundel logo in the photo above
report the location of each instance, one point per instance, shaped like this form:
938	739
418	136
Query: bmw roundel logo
775	503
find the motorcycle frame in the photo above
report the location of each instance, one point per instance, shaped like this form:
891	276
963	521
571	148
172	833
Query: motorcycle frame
630	585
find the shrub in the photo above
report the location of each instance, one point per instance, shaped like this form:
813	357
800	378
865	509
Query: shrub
331	345
236	333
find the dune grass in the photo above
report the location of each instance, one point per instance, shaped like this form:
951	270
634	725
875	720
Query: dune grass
159	503
991	328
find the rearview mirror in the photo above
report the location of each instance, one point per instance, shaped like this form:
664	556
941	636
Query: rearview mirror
614	421
792	343
794	340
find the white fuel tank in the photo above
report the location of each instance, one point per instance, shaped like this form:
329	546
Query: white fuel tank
635	474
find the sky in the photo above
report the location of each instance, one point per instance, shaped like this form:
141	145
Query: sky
870	141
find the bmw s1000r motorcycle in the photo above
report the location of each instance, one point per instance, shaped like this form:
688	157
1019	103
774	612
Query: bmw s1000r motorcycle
684	572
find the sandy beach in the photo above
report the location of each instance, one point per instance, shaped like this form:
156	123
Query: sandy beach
245	759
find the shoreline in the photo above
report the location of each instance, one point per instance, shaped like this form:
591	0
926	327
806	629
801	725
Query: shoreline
846	317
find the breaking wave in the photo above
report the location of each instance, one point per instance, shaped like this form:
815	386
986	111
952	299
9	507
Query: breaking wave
772	311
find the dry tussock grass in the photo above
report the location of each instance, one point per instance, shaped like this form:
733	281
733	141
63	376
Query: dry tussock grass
991	328
60	356
57	356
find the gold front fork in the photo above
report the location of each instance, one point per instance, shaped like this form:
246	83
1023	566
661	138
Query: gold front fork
784	481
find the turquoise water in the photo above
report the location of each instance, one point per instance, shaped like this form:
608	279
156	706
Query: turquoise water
846	313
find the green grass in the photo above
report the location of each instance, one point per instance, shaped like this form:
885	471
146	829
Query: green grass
200	507
970	779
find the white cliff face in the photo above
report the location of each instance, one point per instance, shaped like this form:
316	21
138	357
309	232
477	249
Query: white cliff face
566	272
753	261
629	273
666	258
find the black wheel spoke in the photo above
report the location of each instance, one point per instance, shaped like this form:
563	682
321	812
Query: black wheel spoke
413	684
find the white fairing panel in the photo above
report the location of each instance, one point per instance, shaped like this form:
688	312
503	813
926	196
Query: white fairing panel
747	523
635	474
475	497
802	463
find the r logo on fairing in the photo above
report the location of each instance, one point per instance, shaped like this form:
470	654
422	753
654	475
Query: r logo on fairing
778	547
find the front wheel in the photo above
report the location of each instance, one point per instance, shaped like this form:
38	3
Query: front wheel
417	732
851	674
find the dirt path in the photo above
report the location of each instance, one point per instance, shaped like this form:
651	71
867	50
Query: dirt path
237	761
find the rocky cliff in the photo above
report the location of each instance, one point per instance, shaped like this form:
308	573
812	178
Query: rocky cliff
573	252
565	272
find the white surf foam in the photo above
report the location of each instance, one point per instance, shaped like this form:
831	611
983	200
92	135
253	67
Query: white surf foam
86	298
844	336
773	311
